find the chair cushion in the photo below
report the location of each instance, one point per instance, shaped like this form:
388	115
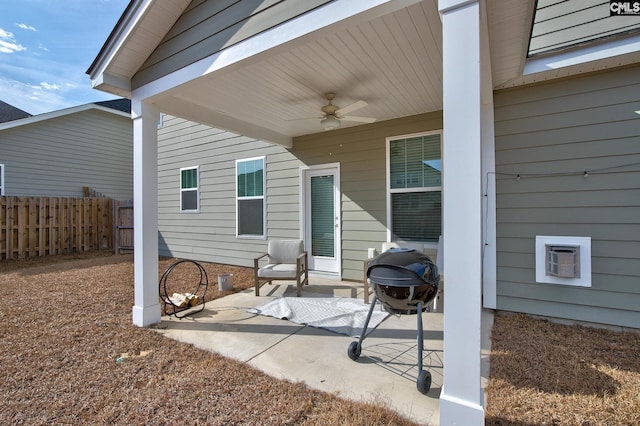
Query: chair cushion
284	251
278	270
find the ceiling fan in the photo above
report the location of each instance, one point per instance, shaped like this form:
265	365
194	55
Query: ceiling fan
333	114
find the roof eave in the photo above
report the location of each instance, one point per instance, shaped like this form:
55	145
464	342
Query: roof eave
117	85
60	113
117	37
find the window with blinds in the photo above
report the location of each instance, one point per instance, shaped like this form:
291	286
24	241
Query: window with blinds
322	216
415	187
189	189
250	208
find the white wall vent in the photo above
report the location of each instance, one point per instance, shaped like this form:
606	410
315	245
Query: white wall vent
563	260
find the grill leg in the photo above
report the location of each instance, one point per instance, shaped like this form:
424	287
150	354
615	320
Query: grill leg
366	323
424	377
355	348
420	337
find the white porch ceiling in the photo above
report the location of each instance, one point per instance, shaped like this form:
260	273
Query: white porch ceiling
392	61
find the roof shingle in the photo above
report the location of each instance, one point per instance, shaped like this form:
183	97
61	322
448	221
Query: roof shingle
10	113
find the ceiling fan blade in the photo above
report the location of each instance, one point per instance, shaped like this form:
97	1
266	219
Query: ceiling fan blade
356	118
318	117
349	108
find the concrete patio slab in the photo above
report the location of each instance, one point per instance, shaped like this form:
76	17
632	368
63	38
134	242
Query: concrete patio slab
385	373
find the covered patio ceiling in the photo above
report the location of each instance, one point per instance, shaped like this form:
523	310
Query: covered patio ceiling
389	56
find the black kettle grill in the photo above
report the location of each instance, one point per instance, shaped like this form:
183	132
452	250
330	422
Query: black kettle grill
404	281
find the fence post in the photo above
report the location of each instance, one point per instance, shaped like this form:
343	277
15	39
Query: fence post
9	226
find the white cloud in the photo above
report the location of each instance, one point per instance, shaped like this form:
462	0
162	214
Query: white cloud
33	98
27	27
8	43
48	86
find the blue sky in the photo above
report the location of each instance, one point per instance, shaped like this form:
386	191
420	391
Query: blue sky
46	46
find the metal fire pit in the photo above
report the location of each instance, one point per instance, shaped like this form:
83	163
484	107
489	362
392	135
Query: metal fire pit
404	281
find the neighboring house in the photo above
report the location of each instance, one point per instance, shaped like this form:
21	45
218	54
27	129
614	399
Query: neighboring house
497	124
10	113
56	154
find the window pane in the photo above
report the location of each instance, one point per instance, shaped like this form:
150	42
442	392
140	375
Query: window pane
415	162
250	214
322	220
189	178
250	178
416	216
189	200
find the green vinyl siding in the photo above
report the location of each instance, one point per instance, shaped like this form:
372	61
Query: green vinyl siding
211	234
550	135
208	27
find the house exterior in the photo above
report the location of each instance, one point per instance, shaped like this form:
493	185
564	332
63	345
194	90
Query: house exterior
216	223
509	128
9	112
56	154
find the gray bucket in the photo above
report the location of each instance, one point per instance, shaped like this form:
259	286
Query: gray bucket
225	282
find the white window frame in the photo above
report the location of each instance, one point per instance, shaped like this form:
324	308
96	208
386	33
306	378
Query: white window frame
263	197
389	190
1	180
197	189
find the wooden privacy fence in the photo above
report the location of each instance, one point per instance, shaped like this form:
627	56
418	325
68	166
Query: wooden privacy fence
41	226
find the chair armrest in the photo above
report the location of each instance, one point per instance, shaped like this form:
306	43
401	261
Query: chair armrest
255	261
301	261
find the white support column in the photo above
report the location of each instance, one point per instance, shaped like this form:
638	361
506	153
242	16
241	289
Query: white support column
489	270
146	309
461	400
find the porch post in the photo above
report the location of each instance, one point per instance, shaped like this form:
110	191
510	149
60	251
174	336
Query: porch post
146	309
461	400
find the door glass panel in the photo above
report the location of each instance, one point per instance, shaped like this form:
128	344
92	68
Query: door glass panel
322	216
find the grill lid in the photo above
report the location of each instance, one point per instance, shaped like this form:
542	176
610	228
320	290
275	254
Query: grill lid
403	267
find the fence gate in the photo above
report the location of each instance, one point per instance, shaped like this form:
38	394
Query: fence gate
124	227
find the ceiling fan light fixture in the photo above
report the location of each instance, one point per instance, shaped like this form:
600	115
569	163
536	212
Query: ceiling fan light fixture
330	123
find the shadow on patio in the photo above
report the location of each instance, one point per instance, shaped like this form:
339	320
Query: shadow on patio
385	373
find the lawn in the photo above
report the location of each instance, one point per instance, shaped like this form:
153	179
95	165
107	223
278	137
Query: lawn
65	320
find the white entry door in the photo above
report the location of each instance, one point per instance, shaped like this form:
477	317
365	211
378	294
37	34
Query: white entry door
322	217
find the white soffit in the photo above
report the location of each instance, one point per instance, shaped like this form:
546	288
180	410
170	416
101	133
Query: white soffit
571	37
612	51
137	33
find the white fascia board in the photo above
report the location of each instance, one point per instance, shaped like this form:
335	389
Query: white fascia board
60	113
120	37
179	108
583	55
448	5
250	130
118	85
314	21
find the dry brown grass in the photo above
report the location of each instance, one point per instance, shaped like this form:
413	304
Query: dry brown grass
64	321
544	373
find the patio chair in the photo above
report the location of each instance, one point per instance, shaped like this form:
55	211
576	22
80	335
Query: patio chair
286	260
